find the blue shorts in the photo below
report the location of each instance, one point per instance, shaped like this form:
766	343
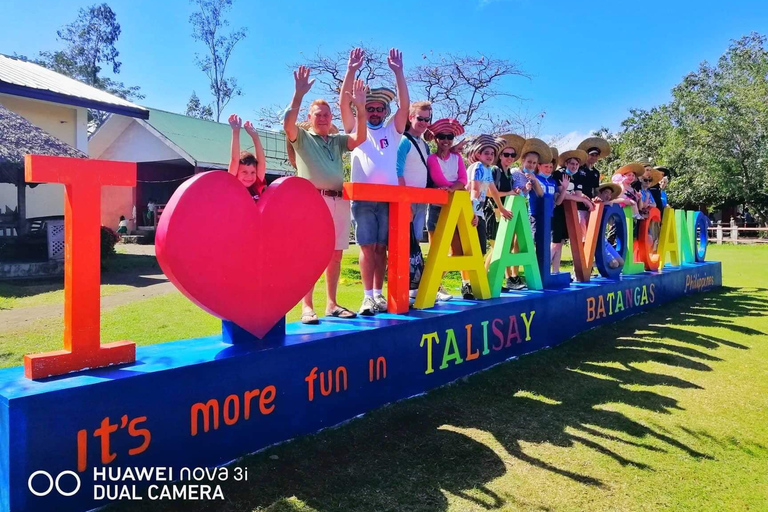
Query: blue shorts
419	218
371	219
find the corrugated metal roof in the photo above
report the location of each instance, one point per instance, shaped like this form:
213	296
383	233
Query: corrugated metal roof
26	79
208	142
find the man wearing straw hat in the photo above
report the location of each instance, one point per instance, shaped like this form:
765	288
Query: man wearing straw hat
318	155
587	179
375	162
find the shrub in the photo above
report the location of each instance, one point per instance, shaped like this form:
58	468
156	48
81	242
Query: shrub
108	240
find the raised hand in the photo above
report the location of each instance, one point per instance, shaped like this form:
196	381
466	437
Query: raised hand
395	60
235	122
358	94
250	129
565	181
528	186
356	58
302	81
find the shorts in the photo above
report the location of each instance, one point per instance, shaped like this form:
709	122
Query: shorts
419	219
371	220
339	209
433	214
559	227
532	220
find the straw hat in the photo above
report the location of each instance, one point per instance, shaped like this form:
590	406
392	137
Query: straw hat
578	154
596	143
445	125
615	189
513	141
481	142
656	177
539	147
553	150
380	94
635	167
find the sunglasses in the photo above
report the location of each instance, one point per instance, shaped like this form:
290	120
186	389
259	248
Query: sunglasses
444	136
647	180
375	109
508	155
424	119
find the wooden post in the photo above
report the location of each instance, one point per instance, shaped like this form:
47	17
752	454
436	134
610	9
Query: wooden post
720	232
21	202
734	232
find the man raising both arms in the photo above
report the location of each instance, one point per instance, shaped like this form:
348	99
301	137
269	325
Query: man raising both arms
318	159
374	161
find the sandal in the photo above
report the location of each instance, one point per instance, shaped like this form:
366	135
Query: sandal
342	312
309	318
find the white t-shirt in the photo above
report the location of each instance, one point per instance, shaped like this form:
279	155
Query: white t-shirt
375	160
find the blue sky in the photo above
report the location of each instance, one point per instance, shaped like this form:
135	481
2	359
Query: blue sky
589	62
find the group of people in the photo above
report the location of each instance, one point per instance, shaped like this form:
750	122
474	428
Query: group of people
392	148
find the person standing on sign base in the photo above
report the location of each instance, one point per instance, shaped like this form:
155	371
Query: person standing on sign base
587	179
319	159
375	162
569	163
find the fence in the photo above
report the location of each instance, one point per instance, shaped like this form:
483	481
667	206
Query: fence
733	233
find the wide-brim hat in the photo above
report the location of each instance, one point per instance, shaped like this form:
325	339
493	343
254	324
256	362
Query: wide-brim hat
597	143
635	167
578	154
513	141
615	189
445	125
656	177
539	147
481	142
555	153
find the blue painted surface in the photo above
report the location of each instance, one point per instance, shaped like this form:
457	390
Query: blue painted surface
39	421
615	212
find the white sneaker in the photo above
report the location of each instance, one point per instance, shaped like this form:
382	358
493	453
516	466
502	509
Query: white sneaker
381	303
369	307
443	295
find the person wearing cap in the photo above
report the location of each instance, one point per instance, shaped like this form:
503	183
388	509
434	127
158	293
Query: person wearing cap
608	193
569	162
509	181
587	179
482	151
319	159
375	162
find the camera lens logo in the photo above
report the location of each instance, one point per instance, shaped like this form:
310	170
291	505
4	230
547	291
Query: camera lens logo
51	483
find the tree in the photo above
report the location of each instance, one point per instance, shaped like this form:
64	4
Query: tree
90	44
196	109
459	86
714	132
208	23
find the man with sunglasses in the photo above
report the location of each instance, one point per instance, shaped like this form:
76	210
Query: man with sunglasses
375	162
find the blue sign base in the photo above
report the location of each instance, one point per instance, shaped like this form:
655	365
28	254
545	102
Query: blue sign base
204	402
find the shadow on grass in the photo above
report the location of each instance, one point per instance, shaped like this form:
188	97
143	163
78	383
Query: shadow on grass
459	438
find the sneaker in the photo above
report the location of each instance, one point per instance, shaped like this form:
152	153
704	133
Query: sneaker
466	292
381	303
443	295
369	307
515	283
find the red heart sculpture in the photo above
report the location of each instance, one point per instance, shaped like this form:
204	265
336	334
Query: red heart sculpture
244	261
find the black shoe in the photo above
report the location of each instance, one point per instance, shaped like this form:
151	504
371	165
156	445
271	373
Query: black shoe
466	292
515	283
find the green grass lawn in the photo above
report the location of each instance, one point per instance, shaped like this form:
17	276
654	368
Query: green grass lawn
666	410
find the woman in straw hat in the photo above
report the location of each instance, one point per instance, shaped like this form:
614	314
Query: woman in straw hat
625	177
447	171
509	181
569	162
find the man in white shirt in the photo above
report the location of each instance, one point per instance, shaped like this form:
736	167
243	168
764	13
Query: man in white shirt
374	161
